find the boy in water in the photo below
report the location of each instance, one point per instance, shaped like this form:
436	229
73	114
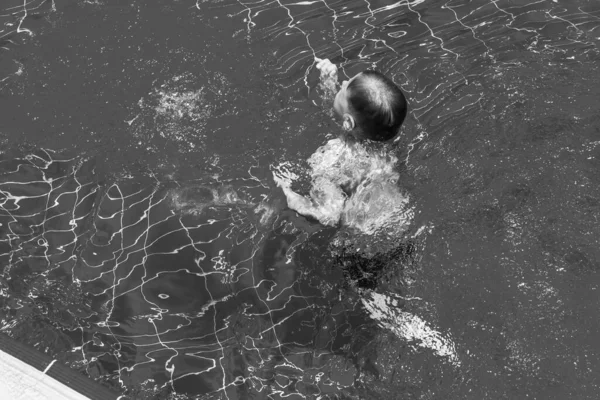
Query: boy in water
353	177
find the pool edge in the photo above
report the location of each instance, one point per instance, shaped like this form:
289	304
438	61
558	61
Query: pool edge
28	371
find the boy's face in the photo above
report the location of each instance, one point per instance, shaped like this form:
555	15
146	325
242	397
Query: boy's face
340	104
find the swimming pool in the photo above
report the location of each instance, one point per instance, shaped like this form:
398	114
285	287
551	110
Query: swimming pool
137	144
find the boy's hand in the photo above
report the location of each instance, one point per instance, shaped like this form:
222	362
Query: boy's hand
281	181
327	68
283	177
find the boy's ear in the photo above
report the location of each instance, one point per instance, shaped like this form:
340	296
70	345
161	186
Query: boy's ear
348	123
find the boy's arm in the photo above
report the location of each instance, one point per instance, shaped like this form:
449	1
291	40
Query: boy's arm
325	205
326	213
301	204
329	78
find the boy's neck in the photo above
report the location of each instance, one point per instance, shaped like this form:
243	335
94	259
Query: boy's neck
371	146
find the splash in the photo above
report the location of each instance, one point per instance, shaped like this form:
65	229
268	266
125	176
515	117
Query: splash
384	309
176	112
176	105
194	199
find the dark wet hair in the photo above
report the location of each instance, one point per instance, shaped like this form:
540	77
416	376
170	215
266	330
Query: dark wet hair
378	105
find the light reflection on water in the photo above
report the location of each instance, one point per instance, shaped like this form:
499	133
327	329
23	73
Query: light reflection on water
191	277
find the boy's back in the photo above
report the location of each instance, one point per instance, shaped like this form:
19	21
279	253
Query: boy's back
353	177
364	178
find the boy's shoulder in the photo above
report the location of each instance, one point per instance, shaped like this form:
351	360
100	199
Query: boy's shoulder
327	152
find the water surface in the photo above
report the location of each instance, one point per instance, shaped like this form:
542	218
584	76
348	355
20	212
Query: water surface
144	243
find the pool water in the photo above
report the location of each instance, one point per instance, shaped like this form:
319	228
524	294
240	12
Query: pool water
144	242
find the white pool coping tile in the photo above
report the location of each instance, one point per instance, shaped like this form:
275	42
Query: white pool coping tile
20	381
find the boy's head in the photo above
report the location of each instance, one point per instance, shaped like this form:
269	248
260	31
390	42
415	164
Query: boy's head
373	104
